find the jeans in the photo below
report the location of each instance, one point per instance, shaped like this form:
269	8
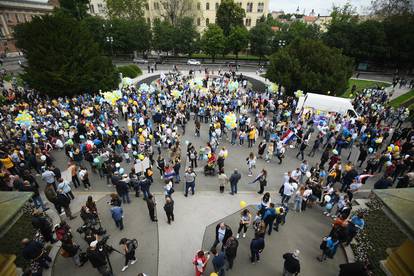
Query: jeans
119	224
189	185
125	197
255	255
298	204
285	198
75	181
130	256
38	202
145	192
270	225
233	187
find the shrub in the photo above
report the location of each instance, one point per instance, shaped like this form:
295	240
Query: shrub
130	71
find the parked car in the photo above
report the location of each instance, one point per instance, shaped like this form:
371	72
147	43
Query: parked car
193	62
139	61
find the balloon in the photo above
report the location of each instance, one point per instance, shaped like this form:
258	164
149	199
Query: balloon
135	153
308	174
392	145
117	165
327	198
213	274
140	129
225	154
389	149
329	206
209	155
96	160
109	132
119	142
370	150
396	148
43	158
151	136
335	152
187	142
121	171
141	157
81	137
243	204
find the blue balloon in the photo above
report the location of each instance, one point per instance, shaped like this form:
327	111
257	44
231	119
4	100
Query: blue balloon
329	206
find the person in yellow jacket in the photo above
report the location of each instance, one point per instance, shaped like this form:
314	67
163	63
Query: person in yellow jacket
252	137
7	163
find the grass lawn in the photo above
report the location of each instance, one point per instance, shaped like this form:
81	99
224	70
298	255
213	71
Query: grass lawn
403	99
361	85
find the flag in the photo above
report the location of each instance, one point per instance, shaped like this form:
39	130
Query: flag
288	136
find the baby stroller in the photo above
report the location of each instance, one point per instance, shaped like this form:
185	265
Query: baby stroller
210	169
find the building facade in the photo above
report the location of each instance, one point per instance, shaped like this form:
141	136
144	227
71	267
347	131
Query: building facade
204	11
14	12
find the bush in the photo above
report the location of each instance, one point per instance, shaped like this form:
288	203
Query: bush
129	71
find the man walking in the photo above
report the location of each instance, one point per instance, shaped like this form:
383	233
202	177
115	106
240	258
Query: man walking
190	177
223	233
256	247
234	179
291	267
151	207
231	251
218	262
117	214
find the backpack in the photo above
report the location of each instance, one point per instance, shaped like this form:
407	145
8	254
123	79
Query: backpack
132	244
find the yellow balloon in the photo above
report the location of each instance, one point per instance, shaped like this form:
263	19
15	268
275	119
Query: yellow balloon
389	149
396	148
243	204
141	157
119	142
213	274
209	155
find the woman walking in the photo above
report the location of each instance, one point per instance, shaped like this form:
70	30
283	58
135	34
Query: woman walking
169	209
299	196
222	179
251	163
245	220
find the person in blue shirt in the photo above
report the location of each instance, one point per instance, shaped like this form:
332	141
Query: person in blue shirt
269	217
328	247
117	214
218	262
356	224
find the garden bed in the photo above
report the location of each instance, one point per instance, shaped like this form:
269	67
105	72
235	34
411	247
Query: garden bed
380	233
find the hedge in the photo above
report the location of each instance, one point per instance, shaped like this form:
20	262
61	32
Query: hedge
130	71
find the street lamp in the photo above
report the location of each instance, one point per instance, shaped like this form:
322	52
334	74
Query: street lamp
110	40
282	43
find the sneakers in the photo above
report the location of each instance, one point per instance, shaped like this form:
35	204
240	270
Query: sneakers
124	268
244	235
133	262
238	236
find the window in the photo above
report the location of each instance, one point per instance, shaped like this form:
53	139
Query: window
17	18
207	6
147	6
149	21
260	7
26	18
217	6
198	21
156	6
248	22
198	6
240	4
249	7
207	21
92	8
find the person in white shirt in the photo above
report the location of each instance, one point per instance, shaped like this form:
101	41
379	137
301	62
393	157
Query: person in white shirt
65	187
288	190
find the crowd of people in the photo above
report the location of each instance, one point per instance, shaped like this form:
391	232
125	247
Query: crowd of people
143	127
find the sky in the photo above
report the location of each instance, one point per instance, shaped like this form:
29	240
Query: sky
322	7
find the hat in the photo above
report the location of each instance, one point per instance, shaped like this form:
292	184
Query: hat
93	244
296	253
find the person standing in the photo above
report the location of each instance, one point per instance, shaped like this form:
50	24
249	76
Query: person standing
234	179
49	177
65	187
151	207
291	266
302	148
230	249
169	209
222	179
256	247
251	163
128	247
245	220
262	178
288	190
118	214
200	262
74	174
51	195
269	217
97	258
223	232
218	262
64	201
84	176
190	177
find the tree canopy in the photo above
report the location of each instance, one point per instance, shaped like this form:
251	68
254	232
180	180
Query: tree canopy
186	36
238	40
229	15
126	9
213	41
311	66
260	38
174	10
75	8
62	57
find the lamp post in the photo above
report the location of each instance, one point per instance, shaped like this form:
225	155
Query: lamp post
110	40
282	43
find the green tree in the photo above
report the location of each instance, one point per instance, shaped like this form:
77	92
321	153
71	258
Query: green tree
238	40
186	36
62	57
127	9
213	41
345	13
229	15
75	8
311	66
163	36
260	39
95	26
130	35
174	10
386	8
